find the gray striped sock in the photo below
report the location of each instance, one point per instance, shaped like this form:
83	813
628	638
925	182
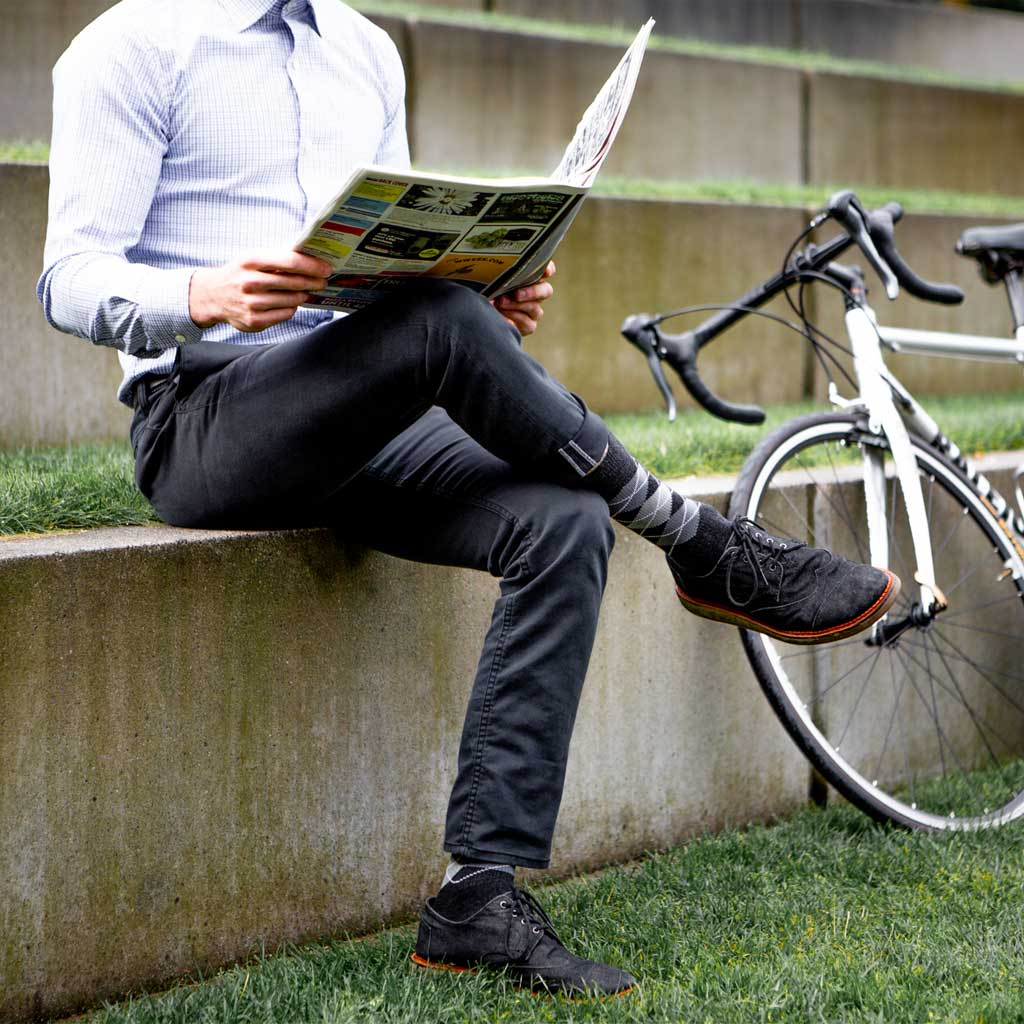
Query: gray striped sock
652	509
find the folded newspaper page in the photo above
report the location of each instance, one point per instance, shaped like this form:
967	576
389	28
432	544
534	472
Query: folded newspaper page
386	227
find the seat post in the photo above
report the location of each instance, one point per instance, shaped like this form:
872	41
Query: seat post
1015	293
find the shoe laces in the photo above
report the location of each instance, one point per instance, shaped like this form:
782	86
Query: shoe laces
763	554
526	909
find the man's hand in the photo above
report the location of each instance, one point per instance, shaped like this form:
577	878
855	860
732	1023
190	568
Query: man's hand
522	308
256	291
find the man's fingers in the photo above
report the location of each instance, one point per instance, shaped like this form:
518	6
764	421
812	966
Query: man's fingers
276	300
287	262
533	310
524	324
261	321
264	282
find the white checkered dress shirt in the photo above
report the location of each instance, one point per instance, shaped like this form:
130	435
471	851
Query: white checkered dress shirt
187	132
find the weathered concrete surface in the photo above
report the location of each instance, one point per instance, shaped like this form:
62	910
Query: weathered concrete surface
211	741
691	117
980	44
873	131
756	22
53	388
628	256
973	43
34	36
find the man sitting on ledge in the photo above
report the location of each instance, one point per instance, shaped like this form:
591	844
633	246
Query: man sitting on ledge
189	136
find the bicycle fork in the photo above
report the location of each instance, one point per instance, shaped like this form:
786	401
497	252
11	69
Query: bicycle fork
884	419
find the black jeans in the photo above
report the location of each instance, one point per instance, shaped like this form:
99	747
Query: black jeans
418	427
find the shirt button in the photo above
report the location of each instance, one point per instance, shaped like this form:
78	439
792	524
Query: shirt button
180	339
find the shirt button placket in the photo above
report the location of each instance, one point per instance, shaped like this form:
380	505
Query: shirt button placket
300	67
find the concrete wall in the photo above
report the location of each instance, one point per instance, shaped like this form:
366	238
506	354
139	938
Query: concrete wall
691	117
280	770
34	35
973	43
872	131
53	388
622	256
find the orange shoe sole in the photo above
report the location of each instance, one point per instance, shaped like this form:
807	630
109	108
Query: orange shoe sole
731	617
456	969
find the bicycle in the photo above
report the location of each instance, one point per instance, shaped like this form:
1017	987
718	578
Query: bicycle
920	721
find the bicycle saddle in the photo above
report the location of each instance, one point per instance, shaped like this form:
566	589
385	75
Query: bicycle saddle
1009	239
998	250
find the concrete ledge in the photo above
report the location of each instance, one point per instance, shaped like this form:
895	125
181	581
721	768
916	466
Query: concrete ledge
216	740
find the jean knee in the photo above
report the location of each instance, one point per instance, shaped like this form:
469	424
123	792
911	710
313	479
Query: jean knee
576	523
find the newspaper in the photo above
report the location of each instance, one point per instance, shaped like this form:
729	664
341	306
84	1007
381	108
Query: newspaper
386	227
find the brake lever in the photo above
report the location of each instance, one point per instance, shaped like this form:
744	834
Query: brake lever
846	209
638	330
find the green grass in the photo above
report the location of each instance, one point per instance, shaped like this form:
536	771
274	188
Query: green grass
89	485
699	444
19	151
985	204
72	488
619	36
824	917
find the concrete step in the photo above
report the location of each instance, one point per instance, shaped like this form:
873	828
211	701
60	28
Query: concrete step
215	740
212	740
693	116
622	256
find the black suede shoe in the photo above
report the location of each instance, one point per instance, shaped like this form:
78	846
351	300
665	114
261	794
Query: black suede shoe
785	588
513	932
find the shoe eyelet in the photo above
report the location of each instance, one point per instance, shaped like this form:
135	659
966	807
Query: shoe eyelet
536	931
504	905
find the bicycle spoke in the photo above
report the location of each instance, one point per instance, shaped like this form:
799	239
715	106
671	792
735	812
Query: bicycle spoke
848	518
952	694
981	629
963	579
979	668
892	720
943	736
952	533
969	709
848	672
961	656
947	615
856	703
787	532
935	701
906	744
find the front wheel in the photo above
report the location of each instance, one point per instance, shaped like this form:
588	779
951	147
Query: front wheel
919	721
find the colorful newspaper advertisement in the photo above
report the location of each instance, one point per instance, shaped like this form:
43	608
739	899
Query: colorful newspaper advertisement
386	227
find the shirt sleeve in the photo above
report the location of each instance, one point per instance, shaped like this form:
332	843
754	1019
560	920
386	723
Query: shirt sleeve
110	112
394	144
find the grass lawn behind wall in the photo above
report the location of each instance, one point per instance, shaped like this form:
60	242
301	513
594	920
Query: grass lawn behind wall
89	485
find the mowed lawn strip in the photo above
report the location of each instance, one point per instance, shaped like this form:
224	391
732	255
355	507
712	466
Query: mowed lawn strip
824	917
89	485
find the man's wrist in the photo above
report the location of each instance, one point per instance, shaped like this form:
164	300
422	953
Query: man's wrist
199	308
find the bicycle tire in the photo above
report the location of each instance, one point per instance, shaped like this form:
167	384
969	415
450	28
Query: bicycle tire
954	689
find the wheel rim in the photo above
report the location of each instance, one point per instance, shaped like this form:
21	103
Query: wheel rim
926	727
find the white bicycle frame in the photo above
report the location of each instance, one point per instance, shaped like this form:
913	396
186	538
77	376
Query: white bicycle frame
892	412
